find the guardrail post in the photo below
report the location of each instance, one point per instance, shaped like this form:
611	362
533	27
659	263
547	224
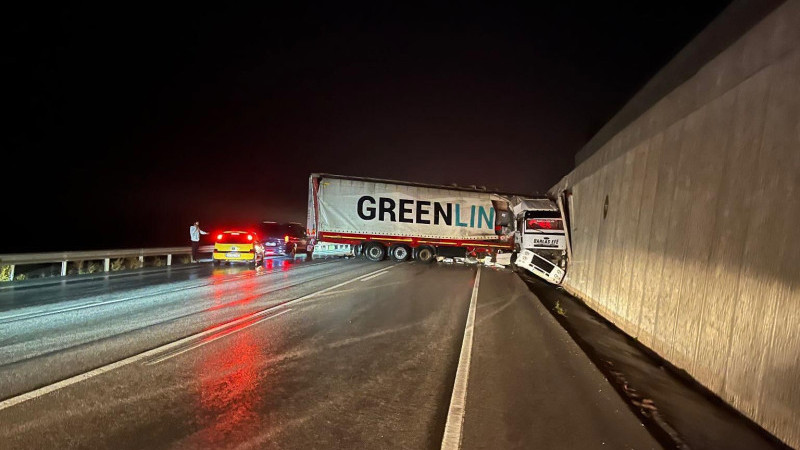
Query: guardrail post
11	278
169	260
63	268
107	264
141	261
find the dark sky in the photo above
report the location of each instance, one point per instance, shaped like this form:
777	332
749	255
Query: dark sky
129	123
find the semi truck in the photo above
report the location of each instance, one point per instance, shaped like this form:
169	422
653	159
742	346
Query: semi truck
540	238
406	220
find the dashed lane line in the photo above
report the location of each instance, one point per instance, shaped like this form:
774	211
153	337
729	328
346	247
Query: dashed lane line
221	335
95	304
163	348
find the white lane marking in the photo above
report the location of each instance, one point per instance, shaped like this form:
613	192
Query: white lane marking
40	314
158	350
37	314
34	314
455	414
373	276
222	335
363	288
313	294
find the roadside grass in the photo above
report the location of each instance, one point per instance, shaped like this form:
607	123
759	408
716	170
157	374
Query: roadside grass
82	267
86	266
5	273
559	309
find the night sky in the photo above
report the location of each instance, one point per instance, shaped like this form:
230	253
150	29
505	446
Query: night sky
128	124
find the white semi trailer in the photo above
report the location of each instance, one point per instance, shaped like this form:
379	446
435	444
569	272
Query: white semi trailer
405	220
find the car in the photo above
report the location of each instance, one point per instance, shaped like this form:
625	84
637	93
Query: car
238	247
287	238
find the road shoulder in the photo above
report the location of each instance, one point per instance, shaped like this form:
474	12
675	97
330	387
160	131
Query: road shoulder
531	386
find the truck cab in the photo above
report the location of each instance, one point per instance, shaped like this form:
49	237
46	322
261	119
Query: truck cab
540	239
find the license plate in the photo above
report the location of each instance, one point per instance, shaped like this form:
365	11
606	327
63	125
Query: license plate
233	254
271	244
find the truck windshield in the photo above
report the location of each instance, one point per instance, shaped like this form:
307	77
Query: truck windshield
543	220
543	224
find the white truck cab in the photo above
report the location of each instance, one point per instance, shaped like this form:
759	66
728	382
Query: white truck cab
540	238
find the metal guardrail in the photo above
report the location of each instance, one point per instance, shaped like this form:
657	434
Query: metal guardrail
13	260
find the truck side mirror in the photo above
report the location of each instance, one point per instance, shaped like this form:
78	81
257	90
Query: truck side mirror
503	218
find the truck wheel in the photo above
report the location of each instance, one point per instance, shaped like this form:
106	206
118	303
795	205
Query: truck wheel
425	254
375	251
399	253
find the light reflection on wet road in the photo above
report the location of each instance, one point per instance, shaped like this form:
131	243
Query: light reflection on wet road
230	389
322	355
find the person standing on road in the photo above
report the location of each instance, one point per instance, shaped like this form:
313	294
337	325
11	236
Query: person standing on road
194	235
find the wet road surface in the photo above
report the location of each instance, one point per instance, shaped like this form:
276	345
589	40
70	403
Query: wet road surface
330	354
675	407
531	386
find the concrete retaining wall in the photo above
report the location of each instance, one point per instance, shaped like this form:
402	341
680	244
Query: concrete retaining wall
698	253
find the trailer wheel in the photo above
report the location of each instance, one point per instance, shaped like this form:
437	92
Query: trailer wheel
375	251
399	252
425	254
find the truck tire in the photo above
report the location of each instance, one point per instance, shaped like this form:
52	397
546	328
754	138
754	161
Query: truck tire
425	254
399	252
375	251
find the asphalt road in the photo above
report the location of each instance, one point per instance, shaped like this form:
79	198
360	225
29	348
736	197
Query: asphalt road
329	354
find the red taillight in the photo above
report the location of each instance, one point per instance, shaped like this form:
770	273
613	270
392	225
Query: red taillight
286	238
219	237
249	237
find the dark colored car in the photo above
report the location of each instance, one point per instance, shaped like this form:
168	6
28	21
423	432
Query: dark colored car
284	238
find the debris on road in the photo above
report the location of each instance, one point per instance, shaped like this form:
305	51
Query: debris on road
504	259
